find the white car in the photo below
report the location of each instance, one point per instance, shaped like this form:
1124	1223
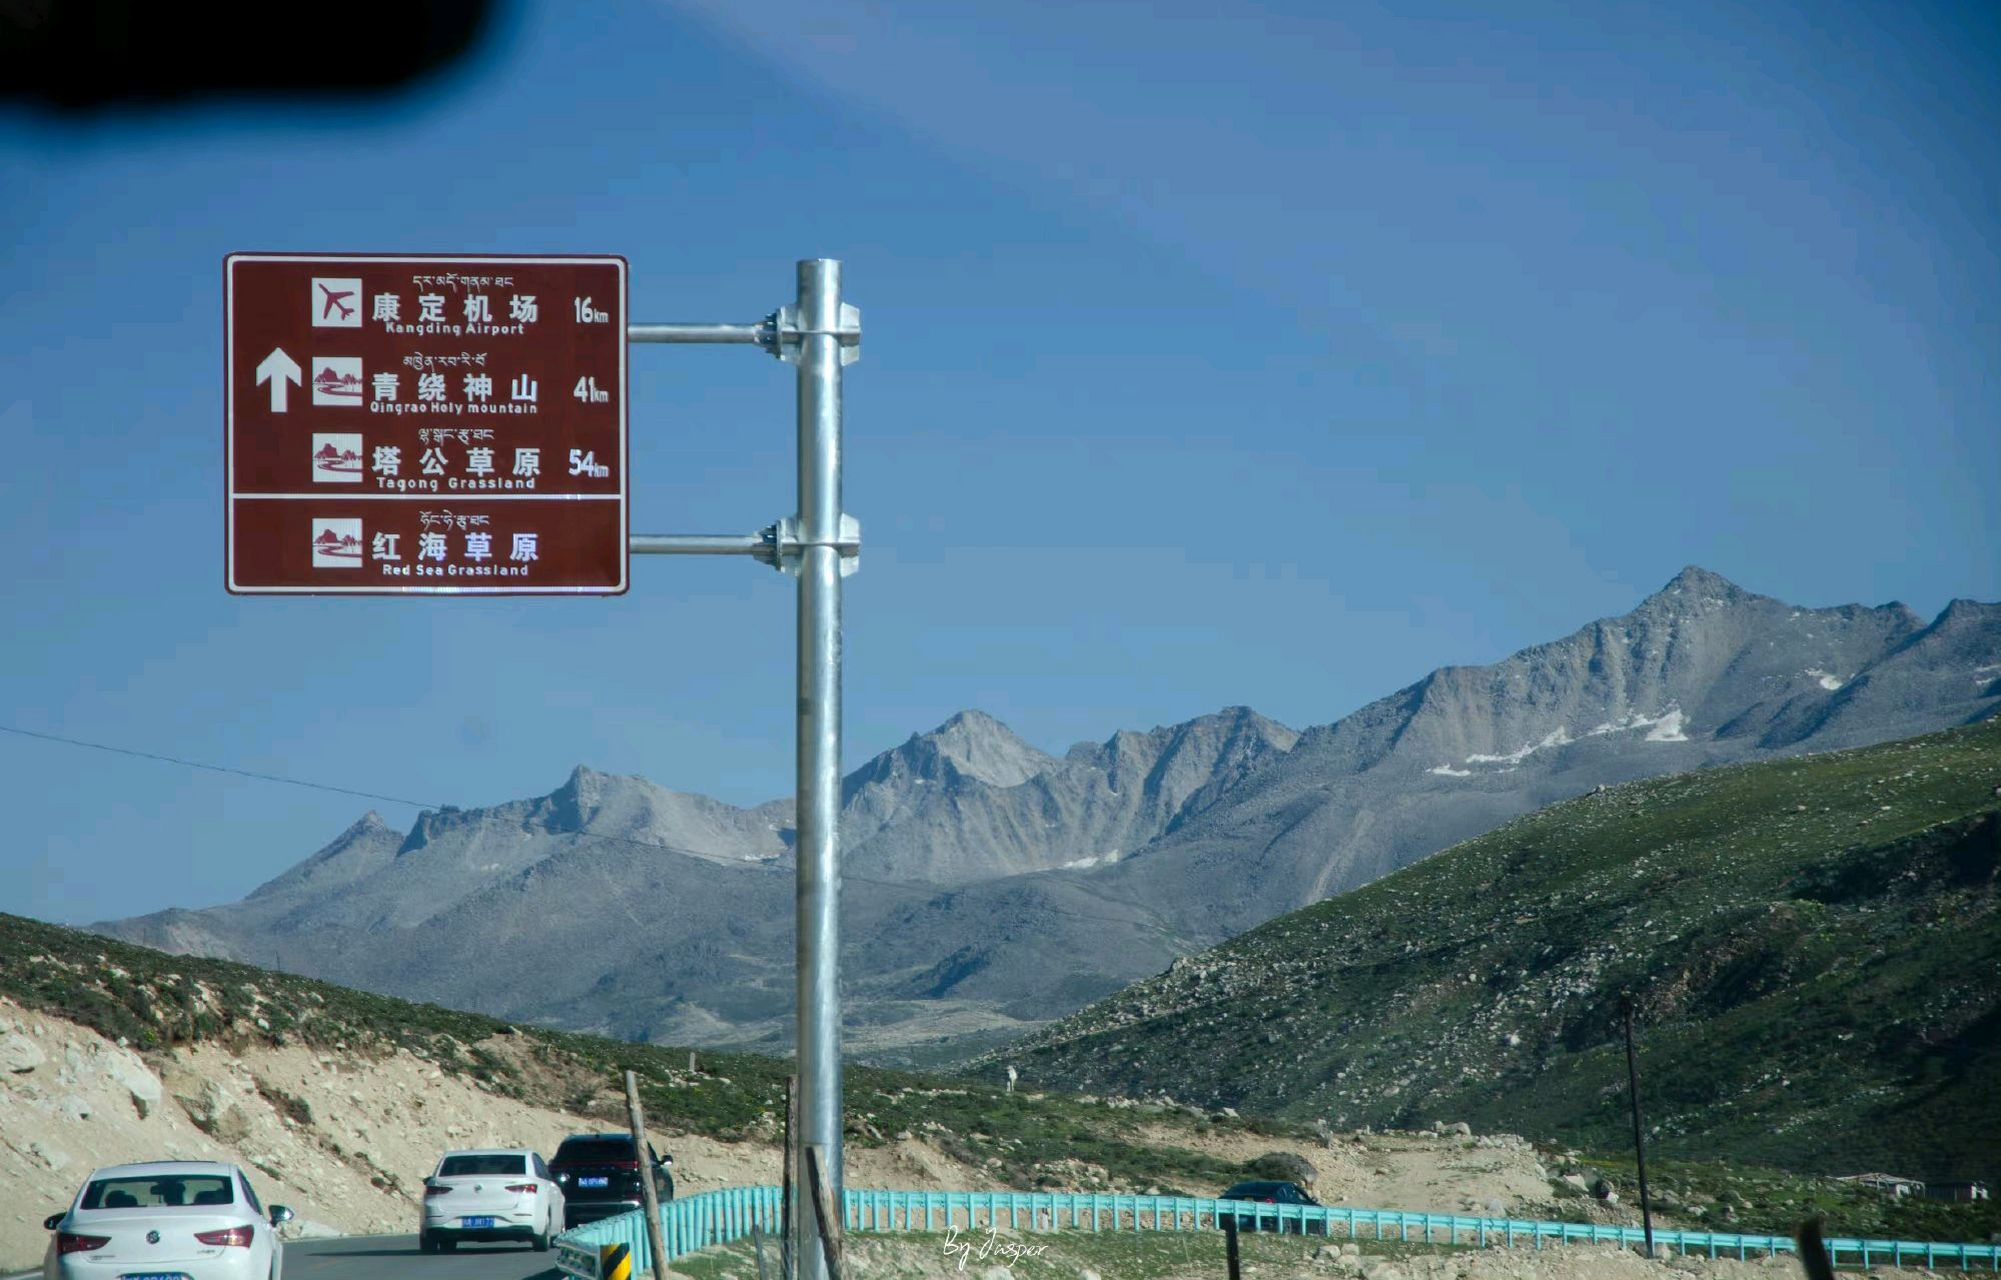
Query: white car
490	1195
183	1220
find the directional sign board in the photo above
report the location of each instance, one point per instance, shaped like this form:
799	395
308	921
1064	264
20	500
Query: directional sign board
425	425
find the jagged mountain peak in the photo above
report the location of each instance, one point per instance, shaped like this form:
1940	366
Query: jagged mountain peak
975	745
1696	578
584	784
367	845
1226	723
1961	611
1694	591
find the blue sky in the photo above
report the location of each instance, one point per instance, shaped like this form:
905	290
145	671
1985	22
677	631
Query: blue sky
1268	354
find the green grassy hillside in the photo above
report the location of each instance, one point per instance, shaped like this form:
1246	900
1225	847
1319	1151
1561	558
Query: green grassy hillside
1812	945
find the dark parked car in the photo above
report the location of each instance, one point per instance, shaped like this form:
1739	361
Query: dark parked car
599	1174
1255	1217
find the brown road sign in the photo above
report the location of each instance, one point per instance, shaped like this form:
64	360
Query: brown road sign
425	425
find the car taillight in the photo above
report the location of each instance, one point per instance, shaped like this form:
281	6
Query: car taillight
229	1237
69	1243
522	1188
629	1165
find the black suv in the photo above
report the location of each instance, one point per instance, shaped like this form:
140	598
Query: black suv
1258	1218
599	1174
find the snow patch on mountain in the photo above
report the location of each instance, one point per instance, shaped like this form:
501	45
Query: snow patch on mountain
1554	738
1096	860
1668	729
1828	681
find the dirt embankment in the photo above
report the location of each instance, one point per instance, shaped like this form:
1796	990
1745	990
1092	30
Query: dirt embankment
344	1140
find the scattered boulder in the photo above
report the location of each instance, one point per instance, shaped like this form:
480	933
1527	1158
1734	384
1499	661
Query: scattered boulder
18	1054
307	1229
132	1075
210	1107
53	1158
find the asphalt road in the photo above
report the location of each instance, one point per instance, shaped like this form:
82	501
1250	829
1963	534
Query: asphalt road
396	1257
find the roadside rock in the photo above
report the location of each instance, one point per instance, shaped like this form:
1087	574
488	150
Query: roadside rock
209	1106
307	1229
130	1073
18	1054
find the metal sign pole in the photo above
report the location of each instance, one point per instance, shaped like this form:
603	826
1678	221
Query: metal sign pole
820	545
819	568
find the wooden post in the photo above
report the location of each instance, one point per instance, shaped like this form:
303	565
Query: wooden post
640	1148
1813	1251
1639	1139
1230	1246
829	1218
757	1243
785	1203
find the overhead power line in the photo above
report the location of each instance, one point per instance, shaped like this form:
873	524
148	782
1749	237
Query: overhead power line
218	768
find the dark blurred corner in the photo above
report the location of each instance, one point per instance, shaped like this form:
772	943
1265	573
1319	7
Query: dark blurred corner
76	56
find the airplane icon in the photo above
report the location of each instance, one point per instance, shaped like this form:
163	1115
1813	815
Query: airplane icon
334	300
331	308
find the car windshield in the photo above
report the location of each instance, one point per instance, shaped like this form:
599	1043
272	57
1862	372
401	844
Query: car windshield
473	1166
594	1151
1255	1191
173	1190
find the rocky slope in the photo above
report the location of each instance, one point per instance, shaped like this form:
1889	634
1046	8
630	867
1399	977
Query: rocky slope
971	801
990	886
1813	947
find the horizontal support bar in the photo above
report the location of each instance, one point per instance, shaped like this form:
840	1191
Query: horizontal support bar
699	544
748	334
778	545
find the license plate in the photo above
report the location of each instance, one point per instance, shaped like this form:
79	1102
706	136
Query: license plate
153	1275
476	1224
593	1182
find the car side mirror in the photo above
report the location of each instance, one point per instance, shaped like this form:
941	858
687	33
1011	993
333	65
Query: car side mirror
54	1220
280	1215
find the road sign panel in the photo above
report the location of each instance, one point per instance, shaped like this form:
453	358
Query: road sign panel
423	425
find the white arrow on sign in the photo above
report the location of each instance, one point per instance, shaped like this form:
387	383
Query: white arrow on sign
278	369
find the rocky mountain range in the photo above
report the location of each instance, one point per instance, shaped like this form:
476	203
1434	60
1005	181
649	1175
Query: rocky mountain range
990	887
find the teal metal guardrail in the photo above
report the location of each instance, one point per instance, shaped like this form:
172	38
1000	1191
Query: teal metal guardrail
727	1216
